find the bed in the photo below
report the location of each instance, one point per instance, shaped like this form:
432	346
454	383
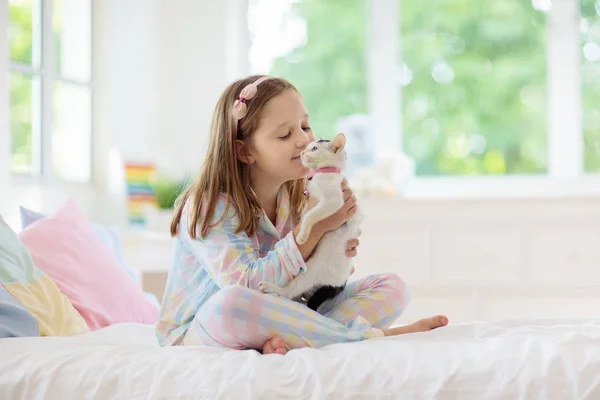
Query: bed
544	359
85	330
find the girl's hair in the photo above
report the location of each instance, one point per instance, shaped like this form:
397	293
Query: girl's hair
223	173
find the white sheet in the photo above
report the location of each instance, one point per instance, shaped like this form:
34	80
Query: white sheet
513	360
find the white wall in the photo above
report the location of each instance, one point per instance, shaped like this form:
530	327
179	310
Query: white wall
127	80
160	68
201	51
127	95
488	259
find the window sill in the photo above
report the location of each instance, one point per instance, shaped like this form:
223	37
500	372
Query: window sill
26	181
425	188
501	187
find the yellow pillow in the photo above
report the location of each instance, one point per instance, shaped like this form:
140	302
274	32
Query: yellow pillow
34	290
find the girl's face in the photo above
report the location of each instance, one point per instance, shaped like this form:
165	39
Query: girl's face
283	133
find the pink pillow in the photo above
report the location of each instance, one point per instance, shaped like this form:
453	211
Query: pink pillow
65	247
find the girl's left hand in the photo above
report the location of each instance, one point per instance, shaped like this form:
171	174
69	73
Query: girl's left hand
351	248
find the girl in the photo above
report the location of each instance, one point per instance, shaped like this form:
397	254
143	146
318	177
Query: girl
236	226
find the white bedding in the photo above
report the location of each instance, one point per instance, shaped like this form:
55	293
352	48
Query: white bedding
512	360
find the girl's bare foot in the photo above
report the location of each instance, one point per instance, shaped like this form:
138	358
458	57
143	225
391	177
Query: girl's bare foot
423	325
275	345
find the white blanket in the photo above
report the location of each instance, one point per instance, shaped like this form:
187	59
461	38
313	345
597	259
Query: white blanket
512	360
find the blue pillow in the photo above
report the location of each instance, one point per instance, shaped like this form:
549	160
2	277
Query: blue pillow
15	320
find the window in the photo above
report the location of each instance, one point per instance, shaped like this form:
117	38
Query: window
485	85
473	78
24	35
324	57
590	36
50	83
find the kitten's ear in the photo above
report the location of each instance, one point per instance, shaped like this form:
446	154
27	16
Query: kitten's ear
243	153
338	142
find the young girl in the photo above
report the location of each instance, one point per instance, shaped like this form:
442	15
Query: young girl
236	226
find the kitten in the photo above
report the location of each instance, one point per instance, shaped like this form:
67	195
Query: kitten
328	268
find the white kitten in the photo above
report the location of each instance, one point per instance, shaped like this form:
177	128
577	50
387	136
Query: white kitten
328	268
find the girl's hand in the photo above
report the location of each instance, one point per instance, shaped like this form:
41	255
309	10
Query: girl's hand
351	248
346	212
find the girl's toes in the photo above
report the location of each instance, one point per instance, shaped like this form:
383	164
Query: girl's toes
275	345
436	322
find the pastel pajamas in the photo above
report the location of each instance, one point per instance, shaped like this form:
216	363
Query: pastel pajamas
212	295
238	317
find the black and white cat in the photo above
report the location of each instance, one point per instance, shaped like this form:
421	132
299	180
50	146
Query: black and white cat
328	268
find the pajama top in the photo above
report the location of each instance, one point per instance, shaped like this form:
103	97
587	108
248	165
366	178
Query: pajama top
204	266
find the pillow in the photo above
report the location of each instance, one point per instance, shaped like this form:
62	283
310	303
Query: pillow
30	302
15	320
65	247
108	236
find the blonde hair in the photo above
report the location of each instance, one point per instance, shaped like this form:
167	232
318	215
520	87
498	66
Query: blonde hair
223	173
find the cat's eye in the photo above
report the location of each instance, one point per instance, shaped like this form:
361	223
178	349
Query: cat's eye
314	148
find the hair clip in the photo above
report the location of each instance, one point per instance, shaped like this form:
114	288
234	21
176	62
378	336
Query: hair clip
240	109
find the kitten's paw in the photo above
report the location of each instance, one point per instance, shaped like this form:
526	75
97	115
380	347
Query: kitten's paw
268	287
302	237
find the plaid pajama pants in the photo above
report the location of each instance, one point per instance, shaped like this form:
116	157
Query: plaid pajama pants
239	318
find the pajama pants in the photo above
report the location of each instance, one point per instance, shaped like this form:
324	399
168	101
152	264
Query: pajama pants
240	318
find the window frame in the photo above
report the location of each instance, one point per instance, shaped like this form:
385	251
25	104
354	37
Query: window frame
565	103
49	77
565	170
565	133
5	149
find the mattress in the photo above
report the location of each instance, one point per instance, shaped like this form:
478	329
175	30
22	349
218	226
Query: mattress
508	360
